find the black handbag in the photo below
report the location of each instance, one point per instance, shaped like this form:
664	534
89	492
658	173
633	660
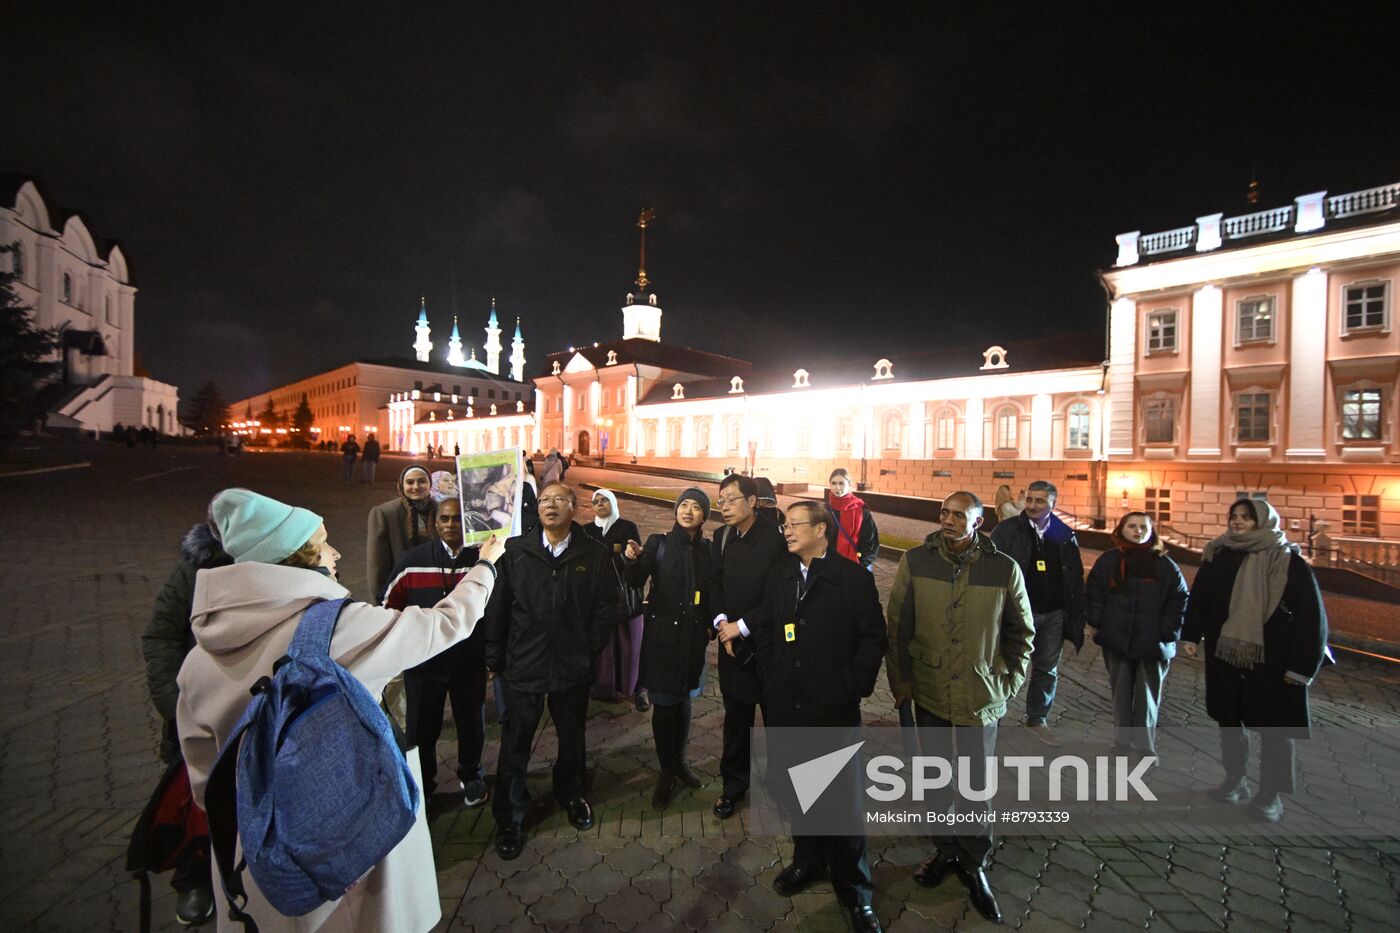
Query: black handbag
629	598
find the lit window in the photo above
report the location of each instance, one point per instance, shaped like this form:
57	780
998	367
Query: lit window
731	431
1161	331
1159	420
1361	415
1366	307
702	435
1252	410
675	437
1078	425
946	430
17	261
1361	515
804	436
579	403
1256	320
1157	503
843	433
67	289
894	431
1006	429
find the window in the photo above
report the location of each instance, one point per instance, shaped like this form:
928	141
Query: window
578	402
1158	504
804	435
620	396
67	289
1361	515
546	404
731	434
490	393
1246	494
650	435
894	430
945	430
1078	427
1159	421
843	432
1365	306
1161	331
1361	415
675	437
702	435
17	261
456	390
1006	429
1256	320
1252	417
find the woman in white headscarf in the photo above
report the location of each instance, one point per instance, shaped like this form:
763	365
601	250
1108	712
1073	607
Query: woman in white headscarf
619	664
1256	604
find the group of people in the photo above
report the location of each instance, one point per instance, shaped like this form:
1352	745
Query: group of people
369	457
567	607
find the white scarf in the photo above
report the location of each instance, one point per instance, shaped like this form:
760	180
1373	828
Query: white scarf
605	523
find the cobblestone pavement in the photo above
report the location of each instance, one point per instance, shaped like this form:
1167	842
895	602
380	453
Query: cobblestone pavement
83	552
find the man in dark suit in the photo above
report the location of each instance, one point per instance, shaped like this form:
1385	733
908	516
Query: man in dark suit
745	549
820	640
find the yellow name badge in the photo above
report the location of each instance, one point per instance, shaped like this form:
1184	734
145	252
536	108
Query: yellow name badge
1040	565
789	632
697	597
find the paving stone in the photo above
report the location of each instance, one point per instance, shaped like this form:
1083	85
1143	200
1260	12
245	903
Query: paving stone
530	886
598	882
561	910
571	860
694	907
628	909
1188	922
760	906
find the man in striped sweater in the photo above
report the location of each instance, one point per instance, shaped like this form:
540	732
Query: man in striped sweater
424	576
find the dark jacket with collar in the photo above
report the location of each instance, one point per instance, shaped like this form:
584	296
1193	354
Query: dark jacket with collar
168	637
818	676
549	616
678	625
1017	539
740	578
1134	616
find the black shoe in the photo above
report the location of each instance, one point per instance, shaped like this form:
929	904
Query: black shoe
725	806
194	907
979	892
863	920
643	701
793	880
1267	808
1232	790
932	872
665	784
580	813
688	777
510	840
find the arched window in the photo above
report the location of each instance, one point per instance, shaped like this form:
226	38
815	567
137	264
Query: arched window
1077	427
731	434
107	305
894	430
675	436
845	433
67	289
804	436
17	261
702	435
650	435
1006	424
945	430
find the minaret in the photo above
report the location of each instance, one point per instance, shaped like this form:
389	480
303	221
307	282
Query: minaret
423	347
454	347
642	321
517	355
493	341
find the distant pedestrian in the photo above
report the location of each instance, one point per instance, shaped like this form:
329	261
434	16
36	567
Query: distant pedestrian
552	470
1135	599
369	460
1256	604
1048	553
130	436
854	535
767	503
348	452
456	449
165	642
618	662
1007	506
397	525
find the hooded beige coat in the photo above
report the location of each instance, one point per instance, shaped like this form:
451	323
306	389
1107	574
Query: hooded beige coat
243	619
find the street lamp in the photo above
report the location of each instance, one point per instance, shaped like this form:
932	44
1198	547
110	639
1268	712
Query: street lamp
601	429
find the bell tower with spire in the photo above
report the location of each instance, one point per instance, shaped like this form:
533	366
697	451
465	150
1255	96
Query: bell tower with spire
641	316
517	355
493	341
423	347
454	346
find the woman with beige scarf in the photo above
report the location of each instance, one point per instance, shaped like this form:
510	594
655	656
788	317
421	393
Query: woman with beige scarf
1256	604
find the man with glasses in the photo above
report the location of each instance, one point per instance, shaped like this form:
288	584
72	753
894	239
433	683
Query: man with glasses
960	645
555	602
744	551
424	577
820	639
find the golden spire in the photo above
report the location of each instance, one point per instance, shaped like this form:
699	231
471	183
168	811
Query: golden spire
1252	196
646	217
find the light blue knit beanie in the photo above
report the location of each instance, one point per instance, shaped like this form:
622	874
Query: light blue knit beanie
256	529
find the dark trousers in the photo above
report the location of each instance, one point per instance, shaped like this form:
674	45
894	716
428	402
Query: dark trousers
192	867
670	729
939	737
1137	695
458	673
734	761
1276	761
569	710
845	863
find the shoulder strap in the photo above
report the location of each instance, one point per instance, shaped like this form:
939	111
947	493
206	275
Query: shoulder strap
723	539
221	807
314	631
660	550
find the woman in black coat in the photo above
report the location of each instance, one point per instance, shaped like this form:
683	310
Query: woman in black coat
617	664
676	634
1256	603
1135	599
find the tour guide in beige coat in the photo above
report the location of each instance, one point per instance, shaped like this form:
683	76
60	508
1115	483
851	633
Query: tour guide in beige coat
243	619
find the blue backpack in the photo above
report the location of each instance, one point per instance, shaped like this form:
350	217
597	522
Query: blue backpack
312	780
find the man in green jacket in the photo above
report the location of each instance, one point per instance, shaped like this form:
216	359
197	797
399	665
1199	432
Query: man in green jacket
960	646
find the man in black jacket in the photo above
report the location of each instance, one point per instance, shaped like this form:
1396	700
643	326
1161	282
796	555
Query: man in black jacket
820	640
555	602
1048	554
745	549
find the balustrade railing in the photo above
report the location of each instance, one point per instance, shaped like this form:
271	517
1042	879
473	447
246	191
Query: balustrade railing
1167	241
1364	202
1247	225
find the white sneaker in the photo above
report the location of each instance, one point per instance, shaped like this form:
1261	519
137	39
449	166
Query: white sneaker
1041	731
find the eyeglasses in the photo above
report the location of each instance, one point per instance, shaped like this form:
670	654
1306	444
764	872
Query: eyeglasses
730	500
786	525
554	500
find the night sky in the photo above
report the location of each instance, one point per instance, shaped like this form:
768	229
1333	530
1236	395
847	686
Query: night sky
828	181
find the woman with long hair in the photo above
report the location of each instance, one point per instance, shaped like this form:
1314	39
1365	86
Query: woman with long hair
1135	599
855	536
1256	604
401	523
